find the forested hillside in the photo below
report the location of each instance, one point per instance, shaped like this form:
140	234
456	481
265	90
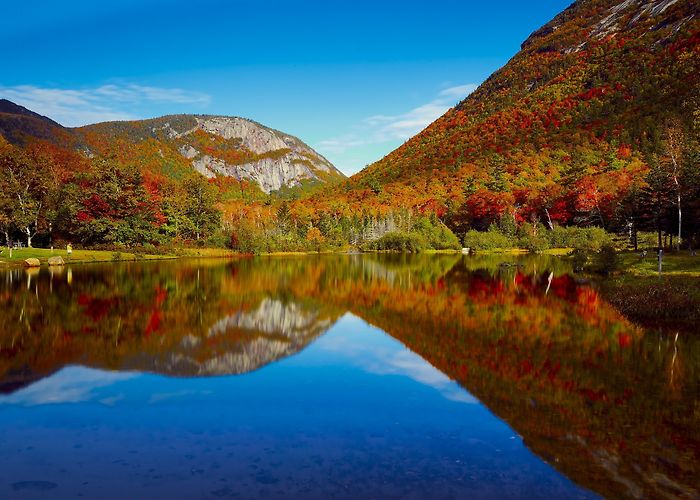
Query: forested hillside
594	122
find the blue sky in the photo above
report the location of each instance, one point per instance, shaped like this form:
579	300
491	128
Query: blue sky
353	79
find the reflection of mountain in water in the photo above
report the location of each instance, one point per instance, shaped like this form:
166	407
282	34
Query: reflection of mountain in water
171	318
248	340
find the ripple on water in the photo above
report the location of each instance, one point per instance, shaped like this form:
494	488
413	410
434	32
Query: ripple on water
34	485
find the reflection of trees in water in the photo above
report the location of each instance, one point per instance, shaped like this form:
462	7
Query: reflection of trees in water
612	406
193	319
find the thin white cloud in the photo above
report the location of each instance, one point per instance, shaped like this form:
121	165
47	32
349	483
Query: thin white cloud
76	107
459	91
389	129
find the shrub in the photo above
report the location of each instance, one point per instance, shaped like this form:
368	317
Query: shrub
489	240
582	238
398	242
534	243
218	239
606	261
647	239
437	235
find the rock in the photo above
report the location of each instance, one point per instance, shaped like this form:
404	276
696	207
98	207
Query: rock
56	261
32	262
277	159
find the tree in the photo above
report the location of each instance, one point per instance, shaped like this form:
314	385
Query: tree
674	146
200	209
315	238
25	186
5	209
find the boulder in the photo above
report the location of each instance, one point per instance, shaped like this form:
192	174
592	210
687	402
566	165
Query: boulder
32	262
56	260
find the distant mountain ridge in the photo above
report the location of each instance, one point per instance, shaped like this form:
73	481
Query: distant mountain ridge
18	123
212	145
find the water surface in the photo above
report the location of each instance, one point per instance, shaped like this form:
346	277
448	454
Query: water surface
345	376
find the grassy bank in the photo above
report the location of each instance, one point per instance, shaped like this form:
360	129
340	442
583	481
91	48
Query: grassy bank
89	256
670	300
523	251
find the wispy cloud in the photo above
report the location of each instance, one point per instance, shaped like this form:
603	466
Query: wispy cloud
407	125
76	107
390	129
458	91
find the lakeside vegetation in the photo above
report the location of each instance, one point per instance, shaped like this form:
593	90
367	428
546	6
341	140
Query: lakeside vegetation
651	299
83	256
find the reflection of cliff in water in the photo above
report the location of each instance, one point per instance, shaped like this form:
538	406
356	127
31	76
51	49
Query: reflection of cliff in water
246	341
196	319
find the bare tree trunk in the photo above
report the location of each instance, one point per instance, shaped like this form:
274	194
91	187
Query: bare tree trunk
680	216
675	150
549	220
678	200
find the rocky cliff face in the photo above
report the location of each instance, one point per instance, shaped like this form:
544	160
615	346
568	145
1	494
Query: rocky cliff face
277	159
613	17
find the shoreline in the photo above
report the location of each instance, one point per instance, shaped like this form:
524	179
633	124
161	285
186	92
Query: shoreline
635	288
103	256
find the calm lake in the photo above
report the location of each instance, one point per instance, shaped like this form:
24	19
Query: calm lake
338	376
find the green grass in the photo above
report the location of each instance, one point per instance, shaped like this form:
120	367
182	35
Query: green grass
674	264
87	256
521	251
670	300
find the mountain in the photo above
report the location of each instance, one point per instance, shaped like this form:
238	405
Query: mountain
564	132
223	146
215	146
17	124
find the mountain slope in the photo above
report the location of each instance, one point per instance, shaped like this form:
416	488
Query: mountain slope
215	146
18	124
564	131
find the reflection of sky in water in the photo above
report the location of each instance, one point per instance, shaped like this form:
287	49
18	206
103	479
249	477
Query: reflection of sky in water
354	415
70	385
376	352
